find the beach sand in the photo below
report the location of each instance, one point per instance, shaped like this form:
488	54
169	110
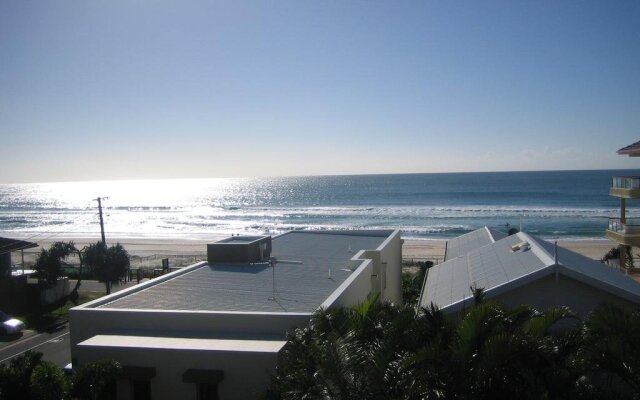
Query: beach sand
435	248
190	250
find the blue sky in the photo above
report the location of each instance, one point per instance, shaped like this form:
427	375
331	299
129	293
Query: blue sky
95	90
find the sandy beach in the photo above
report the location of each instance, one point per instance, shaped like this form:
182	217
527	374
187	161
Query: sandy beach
434	248
151	250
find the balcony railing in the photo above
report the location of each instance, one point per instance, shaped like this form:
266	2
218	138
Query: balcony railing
630	227
626	182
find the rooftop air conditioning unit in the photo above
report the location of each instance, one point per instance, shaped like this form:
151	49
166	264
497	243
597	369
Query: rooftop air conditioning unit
240	249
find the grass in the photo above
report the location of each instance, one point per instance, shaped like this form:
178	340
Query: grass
43	320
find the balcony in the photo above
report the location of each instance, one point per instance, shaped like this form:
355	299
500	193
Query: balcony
627	187
627	233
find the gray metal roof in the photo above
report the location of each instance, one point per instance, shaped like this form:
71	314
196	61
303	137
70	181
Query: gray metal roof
633	150
8	245
497	269
299	287
591	272
471	241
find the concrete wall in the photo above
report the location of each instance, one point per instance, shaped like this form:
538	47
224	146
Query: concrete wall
56	292
88	322
354	289
246	374
379	273
547	292
391	257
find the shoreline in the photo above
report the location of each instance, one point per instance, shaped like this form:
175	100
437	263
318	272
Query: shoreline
422	248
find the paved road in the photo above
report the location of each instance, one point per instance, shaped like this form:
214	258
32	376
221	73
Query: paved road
54	346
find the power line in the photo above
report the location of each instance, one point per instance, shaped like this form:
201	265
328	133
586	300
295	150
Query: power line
34	236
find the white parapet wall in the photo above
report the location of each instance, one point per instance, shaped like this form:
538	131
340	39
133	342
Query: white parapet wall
379	273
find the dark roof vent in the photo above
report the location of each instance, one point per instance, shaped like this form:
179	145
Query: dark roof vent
240	249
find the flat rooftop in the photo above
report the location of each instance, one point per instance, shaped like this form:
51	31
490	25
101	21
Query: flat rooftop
299	287
180	343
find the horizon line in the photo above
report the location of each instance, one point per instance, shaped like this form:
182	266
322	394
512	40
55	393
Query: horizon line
310	176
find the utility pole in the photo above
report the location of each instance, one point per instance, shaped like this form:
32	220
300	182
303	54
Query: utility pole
99	200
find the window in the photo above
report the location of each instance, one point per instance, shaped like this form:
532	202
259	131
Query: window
206	381
141	390
207	391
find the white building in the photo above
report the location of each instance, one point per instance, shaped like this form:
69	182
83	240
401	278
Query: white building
522	269
213	330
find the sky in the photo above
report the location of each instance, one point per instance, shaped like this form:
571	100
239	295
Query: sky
93	90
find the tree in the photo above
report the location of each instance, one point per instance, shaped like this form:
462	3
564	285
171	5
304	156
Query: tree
48	382
377	350
611	352
412	282
614	254
507	353
49	262
15	377
349	353
109	264
95	381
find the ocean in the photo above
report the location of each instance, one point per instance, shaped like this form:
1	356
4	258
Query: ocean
552	204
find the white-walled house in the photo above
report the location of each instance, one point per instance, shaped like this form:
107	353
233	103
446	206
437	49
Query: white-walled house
213	330
523	269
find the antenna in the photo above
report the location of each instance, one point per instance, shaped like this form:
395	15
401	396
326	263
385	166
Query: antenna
520	224
272	262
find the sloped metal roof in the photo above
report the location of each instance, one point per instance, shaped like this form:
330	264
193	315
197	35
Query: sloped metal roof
8	245
239	287
594	273
471	241
497	269
633	150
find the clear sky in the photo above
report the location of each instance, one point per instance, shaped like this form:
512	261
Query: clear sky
95	90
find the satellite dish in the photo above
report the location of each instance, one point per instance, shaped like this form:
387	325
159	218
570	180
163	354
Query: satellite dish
272	262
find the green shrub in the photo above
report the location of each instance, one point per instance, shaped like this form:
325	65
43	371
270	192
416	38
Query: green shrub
48	382
15	377
95	381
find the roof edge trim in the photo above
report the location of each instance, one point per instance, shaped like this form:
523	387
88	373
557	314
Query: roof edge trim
486	228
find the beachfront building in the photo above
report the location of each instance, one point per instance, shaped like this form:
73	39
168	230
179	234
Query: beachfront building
8	246
469	241
14	293
523	269
622	230
213	330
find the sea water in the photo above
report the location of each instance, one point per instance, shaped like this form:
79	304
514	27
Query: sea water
552	204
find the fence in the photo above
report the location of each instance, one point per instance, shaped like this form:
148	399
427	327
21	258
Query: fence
415	260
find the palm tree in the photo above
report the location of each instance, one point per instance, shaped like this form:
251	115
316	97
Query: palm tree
350	353
109	264
49	262
376	350
500	352
610	355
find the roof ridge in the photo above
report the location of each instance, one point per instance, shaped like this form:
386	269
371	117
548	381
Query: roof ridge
493	240
540	252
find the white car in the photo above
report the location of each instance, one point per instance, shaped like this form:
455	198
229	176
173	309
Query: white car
10	326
